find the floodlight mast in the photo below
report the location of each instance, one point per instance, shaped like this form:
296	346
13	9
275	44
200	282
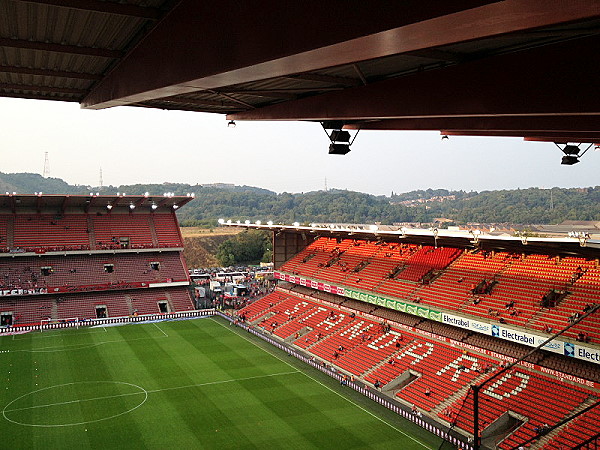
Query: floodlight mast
477	387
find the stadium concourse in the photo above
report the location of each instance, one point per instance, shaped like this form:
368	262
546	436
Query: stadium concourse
86	257
481	335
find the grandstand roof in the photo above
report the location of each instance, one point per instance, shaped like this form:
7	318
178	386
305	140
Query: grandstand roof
14	203
481	67
580	245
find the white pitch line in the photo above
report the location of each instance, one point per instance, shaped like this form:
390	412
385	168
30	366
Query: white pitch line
59	348
336	393
209	383
160	329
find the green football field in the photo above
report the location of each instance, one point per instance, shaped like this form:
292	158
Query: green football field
194	383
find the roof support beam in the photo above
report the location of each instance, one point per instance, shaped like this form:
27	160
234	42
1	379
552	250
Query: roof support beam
558	136
483	88
510	124
34	88
37	97
108	7
49	73
60	48
342	32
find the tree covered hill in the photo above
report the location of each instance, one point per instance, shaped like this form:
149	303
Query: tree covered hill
523	206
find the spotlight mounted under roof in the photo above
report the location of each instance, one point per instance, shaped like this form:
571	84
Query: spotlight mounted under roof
340	139
231	124
571	153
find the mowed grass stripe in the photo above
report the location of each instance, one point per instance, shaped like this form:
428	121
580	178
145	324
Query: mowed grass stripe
207	389
421	444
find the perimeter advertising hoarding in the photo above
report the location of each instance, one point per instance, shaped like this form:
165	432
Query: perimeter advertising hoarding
503	332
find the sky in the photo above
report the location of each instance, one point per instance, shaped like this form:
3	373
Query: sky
139	145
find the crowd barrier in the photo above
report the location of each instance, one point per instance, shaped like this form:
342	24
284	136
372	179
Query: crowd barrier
424	422
107	321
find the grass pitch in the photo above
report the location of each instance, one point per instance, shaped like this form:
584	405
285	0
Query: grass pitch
195	383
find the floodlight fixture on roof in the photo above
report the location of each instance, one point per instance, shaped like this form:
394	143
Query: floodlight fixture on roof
572	153
221	221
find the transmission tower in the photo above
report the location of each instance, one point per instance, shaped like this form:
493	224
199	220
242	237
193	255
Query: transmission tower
46	165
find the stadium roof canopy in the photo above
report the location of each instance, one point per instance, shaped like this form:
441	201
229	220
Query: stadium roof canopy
42	203
465	67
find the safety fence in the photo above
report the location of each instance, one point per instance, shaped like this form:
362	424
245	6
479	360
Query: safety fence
74	323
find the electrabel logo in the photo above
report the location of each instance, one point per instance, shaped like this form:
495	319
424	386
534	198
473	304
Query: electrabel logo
569	349
552	345
590	355
480	326
456	321
495	330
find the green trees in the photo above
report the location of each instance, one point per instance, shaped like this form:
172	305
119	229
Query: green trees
249	247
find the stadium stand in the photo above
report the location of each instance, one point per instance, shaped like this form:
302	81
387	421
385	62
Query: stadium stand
76	257
535	291
430	372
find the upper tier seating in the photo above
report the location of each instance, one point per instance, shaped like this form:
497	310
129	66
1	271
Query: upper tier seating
110	228
67	232
167	230
513	284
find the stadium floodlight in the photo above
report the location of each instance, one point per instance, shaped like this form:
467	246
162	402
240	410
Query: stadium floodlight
131	206
296	224
238	222
231	124
146	194
154	206
270	223
229	222
221	221
175	206
339	136
339	149
569	160
572	153
258	222
247	222
109	206
373	227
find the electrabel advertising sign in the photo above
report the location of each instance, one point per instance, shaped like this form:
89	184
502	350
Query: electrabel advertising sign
522	337
582	352
468	324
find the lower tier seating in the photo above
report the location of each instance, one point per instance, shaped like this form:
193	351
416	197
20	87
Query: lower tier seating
420	370
32	309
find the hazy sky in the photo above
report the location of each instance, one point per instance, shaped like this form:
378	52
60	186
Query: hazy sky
139	145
